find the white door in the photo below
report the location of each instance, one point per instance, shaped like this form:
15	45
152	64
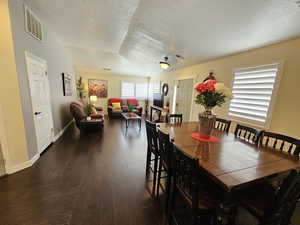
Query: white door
183	102
40	98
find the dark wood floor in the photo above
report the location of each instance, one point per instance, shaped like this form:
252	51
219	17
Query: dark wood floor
95	179
83	179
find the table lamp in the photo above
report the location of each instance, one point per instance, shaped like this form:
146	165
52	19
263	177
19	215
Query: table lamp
93	99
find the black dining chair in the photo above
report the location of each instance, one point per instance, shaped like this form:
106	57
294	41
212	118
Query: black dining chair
152	153
280	142
165	152
200	196
273	206
174	118
247	134
222	124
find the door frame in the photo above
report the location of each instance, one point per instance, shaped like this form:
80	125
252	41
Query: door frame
4	144
175	95
30	55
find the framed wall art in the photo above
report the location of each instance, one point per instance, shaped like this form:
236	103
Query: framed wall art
67	84
98	88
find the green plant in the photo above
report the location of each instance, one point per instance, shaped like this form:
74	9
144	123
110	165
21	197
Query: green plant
89	108
80	88
130	108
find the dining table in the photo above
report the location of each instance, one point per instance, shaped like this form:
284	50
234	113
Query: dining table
232	163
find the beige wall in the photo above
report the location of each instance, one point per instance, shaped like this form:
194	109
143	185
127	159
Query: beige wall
12	122
114	84
58	61
285	116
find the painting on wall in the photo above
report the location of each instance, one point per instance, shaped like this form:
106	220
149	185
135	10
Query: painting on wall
67	84
98	88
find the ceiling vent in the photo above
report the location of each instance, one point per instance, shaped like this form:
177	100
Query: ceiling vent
32	24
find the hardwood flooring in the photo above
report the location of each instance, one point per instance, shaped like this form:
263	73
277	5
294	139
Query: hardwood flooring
84	180
92	179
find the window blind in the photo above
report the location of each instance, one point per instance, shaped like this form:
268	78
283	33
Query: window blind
253	91
127	90
141	90
154	88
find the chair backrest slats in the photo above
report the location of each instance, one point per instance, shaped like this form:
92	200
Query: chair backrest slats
164	146
174	118
151	136
222	124
287	144
248	134
185	173
286	200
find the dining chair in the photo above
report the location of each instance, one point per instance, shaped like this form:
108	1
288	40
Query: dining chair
280	142
248	134
174	118
222	124
273	206
201	197
152	152
165	152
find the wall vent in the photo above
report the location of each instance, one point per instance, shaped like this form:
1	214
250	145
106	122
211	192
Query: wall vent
32	24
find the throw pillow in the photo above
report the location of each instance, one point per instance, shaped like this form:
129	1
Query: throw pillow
94	111
116	105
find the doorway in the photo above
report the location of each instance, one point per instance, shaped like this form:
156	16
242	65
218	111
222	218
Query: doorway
183	98
40	99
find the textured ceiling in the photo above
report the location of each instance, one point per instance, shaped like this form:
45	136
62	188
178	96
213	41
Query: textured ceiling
132	36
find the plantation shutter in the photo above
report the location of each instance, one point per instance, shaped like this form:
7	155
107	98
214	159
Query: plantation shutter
141	90
127	90
253	91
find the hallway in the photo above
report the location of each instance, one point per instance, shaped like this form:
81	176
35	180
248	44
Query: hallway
88	180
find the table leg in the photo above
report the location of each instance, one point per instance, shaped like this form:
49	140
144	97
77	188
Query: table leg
140	124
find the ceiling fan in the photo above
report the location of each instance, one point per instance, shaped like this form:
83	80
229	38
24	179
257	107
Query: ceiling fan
165	64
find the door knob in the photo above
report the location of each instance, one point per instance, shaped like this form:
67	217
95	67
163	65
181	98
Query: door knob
37	113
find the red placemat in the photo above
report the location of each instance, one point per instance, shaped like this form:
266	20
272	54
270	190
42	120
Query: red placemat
212	139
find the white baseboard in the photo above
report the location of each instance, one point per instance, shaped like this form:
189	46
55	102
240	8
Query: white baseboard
56	137
23	165
29	163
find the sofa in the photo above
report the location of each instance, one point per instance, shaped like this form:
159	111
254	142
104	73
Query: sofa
125	104
77	109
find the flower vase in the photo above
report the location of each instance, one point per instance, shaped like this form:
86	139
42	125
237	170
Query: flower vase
207	121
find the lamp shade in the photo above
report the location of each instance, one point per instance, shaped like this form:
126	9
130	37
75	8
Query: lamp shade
93	98
164	65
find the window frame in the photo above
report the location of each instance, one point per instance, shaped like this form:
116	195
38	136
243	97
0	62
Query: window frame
146	92
266	124
124	97
134	90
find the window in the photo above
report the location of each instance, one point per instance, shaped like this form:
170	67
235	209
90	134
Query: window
134	90
253	90
127	90
154	88
141	90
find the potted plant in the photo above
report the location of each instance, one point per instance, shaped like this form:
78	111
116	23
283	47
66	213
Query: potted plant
210	93
80	88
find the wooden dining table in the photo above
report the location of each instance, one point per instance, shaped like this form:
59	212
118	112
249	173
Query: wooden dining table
231	162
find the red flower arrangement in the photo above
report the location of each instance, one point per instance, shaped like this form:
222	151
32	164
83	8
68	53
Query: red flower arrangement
206	86
211	93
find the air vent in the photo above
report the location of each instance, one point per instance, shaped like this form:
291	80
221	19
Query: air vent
107	69
32	24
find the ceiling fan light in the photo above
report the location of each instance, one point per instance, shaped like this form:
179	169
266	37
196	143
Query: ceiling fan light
164	65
